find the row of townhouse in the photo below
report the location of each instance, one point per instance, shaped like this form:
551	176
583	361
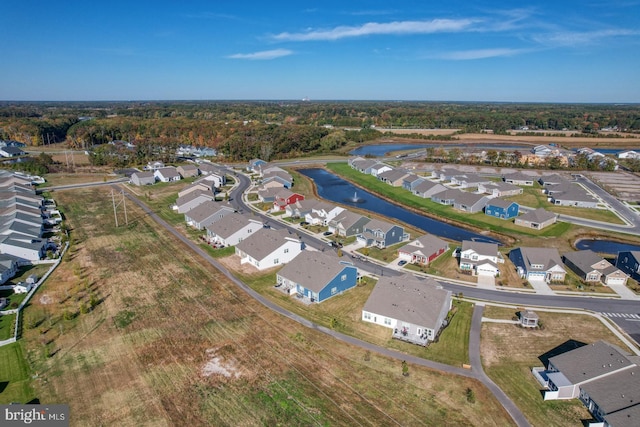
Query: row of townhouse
369	232
157	172
270	175
540	264
562	192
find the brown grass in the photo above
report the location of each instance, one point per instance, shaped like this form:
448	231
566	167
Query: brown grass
138	358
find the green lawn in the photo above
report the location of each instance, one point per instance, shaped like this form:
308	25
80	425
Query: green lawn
6	326
14	375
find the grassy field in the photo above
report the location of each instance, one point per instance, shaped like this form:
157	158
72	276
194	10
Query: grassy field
509	352
15	381
172	342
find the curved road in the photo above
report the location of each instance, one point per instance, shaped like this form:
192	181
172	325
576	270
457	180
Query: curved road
475	373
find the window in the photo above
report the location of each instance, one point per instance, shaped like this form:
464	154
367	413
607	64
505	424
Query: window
334	290
367	315
343	277
387	321
286	250
276	261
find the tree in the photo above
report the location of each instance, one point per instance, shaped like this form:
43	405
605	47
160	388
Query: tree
405	368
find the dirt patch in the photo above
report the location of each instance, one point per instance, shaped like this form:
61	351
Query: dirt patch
217	365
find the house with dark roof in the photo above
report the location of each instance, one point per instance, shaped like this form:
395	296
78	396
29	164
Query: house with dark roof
481	258
591	267
9	151
268	248
24	248
8	267
423	250
381	234
415	309
629	262
602	376
540	264
500	208
317	276
536	219
348	223
232	229
207	213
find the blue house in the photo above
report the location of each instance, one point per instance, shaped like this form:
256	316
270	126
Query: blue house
254	165
500	208
317	276
381	234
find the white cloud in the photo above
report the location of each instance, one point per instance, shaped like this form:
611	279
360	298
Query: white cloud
375	28
577	38
466	55
263	55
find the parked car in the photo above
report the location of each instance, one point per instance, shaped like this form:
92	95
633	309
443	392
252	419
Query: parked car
402	262
327	233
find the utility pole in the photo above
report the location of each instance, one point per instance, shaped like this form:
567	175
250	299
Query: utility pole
115	207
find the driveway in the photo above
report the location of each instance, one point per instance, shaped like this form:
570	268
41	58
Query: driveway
486	282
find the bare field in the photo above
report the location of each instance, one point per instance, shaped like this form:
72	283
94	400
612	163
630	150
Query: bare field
172	342
509	352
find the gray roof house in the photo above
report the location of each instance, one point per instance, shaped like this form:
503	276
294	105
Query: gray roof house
575	195
602	376
540	264
468	180
316	276
481	258
143	178
470	202
381	234
232	229
193	199
447	197
348	223
167	174
410	181
207	213
426	189
23	247
591	267
499	189
519	178
268	248
415	309
423	250
188	171
393	177
536	219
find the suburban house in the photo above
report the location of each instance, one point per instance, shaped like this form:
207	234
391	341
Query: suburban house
393	177
426	189
215	177
348	223
8	268
188	171
9	151
591	267
381	234
22	287
447	197
284	198
553	179
519	178
501	208
317	276
168	174
536	219
629	155
410	181
415	309
364	165
283	178
154	166
379	168
468	180
255	164
446	174
300	208
322	213
193	199
499	189
143	178
268	194
207	213
481	258
539	264
470	202
602	376
573	195
268	248
423	250
195	186
629	262
232	229
23	248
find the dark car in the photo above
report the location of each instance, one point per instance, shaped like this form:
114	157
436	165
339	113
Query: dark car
402	262
327	233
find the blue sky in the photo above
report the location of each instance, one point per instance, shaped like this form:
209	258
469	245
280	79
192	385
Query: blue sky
545	51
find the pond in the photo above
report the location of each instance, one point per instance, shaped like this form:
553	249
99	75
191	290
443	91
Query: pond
381	150
336	189
605	246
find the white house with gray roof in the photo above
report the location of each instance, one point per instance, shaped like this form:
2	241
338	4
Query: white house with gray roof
470	202
191	200
519	178
348	223
232	229
536	219
499	189
393	177
143	178
207	213
167	174
426	189
602	376
539	264
481	258
23	247
415	309
268	248
423	250
317	276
